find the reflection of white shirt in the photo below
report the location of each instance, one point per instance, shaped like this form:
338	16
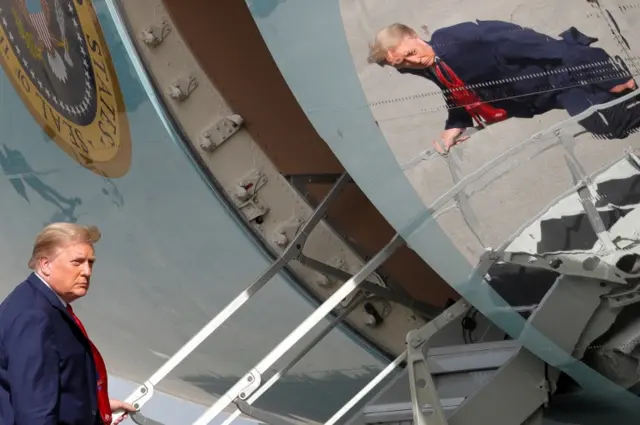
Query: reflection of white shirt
64	303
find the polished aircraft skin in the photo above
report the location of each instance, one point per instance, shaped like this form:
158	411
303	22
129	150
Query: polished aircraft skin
172	255
380	125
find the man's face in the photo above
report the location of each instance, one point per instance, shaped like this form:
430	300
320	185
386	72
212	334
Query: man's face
68	270
412	52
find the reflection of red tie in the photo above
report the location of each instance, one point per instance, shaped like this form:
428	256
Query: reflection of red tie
104	407
466	98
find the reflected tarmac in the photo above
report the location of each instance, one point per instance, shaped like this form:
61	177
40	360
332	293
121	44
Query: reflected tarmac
411	111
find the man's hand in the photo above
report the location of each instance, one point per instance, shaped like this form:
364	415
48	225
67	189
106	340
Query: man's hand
629	85
449	138
121	405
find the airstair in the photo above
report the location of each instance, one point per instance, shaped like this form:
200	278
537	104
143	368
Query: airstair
501	379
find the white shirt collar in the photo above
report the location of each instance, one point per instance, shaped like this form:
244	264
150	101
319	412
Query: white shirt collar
64	303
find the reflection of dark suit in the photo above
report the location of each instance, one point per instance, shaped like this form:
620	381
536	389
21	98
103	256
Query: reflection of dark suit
491	51
47	374
16	167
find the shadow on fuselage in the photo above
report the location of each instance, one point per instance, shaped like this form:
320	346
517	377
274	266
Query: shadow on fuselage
18	171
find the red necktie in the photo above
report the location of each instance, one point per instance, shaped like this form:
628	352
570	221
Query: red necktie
467	98
104	407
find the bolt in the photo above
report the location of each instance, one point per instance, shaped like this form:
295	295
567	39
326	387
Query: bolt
555	263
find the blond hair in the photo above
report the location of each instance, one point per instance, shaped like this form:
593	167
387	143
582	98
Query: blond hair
387	39
57	235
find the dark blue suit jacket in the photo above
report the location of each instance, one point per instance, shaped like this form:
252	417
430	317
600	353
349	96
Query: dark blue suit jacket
530	73
47	373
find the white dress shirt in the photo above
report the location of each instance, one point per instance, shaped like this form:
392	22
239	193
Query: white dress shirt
64	303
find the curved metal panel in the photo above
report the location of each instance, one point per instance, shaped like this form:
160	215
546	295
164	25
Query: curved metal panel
492	191
172	256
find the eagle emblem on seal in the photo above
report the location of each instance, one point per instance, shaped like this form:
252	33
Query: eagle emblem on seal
55	55
50	43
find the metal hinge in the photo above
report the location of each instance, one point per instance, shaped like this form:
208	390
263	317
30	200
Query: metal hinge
153	35
221	131
182	87
246	196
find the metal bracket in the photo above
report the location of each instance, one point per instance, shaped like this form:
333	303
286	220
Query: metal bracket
287	231
370	286
139	398
339	266
182	87
337	271
334	273
254	209
253	380
423	390
246	196
250	184
153	35
330	276
376	313
588	265
221	131
623	298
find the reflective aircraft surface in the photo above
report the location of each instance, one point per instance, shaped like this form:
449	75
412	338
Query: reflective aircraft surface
535	209
172	255
539	190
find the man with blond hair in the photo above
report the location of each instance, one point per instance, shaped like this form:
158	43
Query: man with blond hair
489	71
50	371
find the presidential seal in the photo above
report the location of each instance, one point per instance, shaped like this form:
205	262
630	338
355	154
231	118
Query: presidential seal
54	53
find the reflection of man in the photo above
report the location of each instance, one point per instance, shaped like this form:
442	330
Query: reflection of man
50	371
492	70
16	167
